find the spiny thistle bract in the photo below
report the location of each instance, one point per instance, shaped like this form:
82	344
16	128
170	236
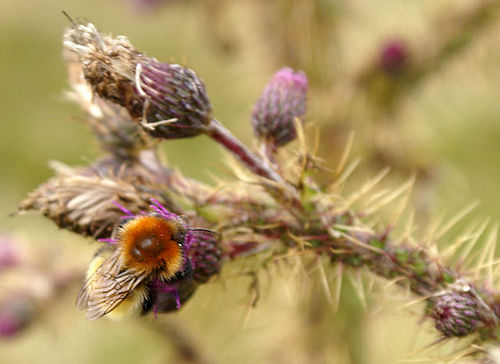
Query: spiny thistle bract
277	208
455	313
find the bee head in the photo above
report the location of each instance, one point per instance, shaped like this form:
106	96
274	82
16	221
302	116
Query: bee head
151	242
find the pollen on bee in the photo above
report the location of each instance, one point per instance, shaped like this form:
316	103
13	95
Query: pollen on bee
147	242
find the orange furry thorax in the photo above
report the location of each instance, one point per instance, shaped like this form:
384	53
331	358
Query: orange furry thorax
147	243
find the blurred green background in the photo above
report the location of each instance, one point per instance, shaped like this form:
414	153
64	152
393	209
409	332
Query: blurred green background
448	122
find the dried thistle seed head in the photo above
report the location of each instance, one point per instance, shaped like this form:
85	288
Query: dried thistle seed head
455	313
205	253
144	170
283	100
117	133
113	126
83	203
108	64
177	102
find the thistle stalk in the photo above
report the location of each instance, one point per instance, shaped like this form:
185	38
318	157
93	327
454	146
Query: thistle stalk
223	136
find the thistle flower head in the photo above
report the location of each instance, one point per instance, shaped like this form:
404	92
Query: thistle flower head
283	100
178	103
205	254
455	313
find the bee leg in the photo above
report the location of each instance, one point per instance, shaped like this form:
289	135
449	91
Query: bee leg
147	304
185	272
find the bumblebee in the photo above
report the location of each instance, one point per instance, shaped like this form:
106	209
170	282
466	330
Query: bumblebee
145	257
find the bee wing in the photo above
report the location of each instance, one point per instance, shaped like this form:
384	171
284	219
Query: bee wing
107	287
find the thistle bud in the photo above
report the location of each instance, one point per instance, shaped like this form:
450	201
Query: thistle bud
455	314
283	100
179	105
205	254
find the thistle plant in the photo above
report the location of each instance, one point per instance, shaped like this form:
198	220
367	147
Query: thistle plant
273	206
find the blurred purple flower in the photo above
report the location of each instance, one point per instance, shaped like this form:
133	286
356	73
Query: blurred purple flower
394	56
15	315
283	99
9	252
148	4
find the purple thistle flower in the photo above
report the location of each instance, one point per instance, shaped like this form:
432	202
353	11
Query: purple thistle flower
205	254
178	103
283	100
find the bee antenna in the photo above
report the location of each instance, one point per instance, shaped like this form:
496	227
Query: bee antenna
206	230
73	24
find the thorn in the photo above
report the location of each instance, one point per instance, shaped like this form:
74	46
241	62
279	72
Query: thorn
468	261
487	253
392	282
300	135
360	229
415	301
393	195
460	241
456	218
357	283
436	342
491	257
345	155
317	142
338	285
336	234
345	175
324	281
429	238
365	188
409	227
